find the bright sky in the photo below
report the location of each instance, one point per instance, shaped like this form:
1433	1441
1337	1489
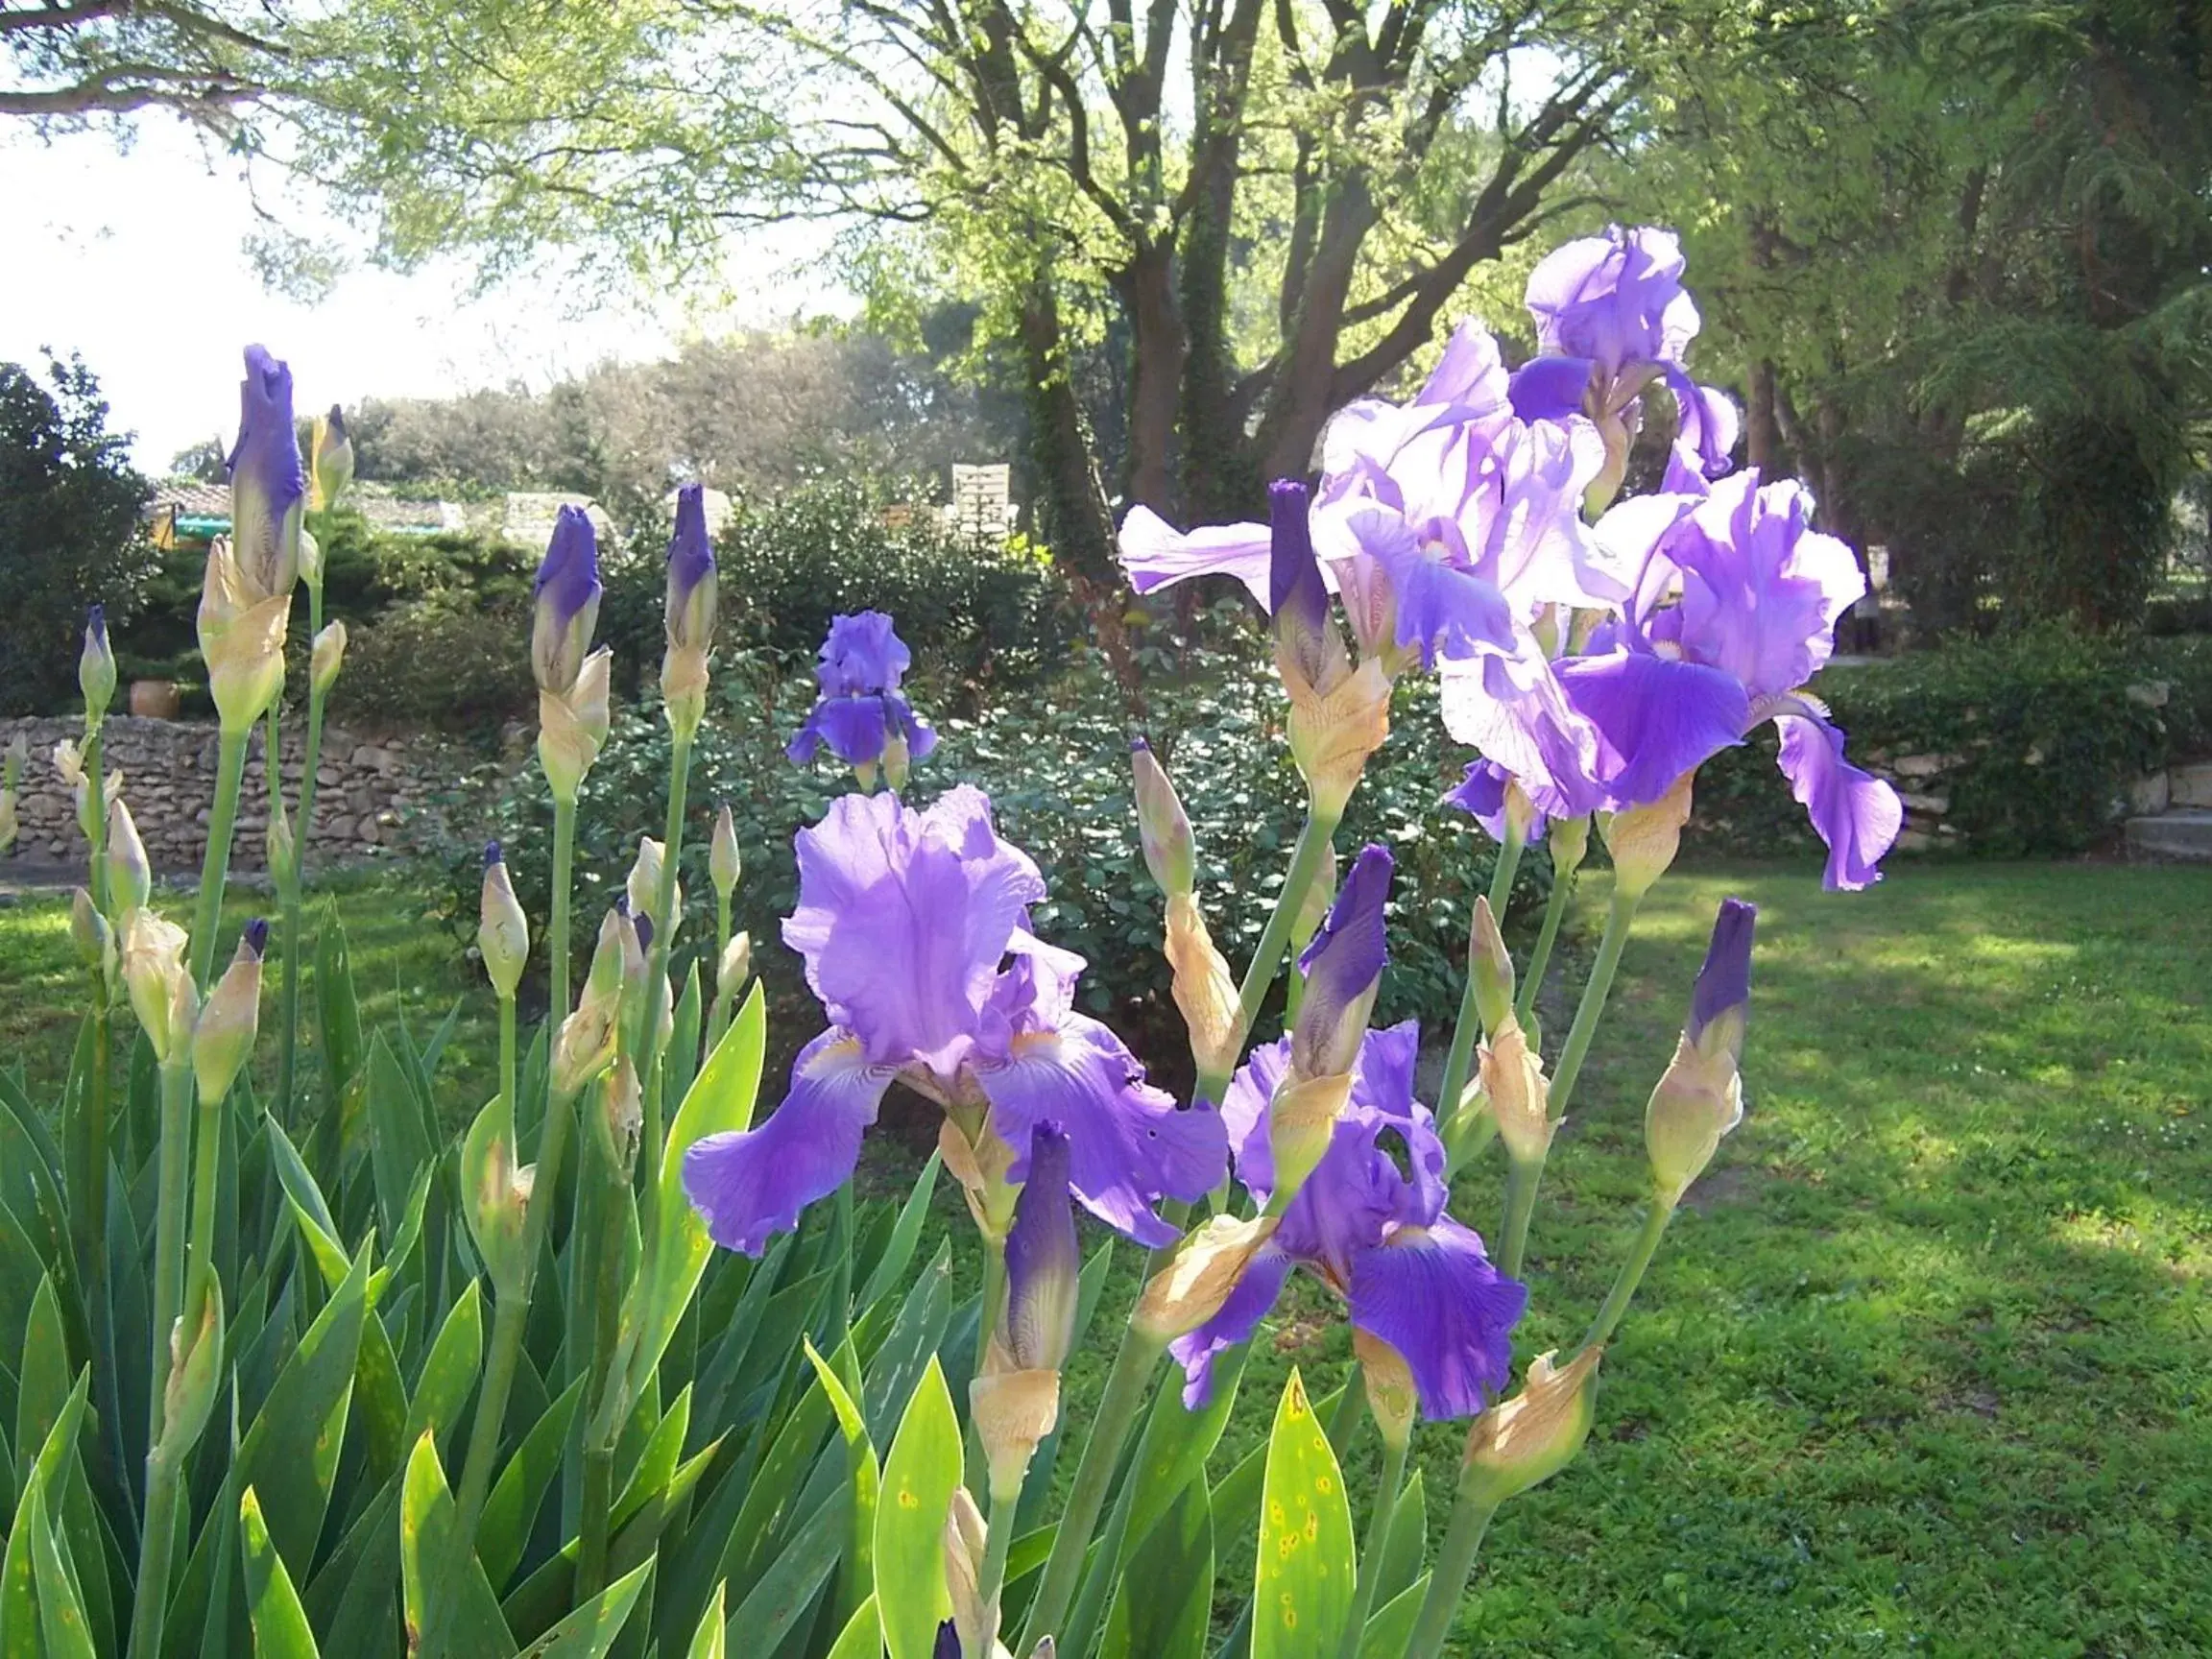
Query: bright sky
136	260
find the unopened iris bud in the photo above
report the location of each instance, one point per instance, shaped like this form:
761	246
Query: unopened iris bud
123	862
222	1036
1392	1396
1343	969
94	938
330	468
572	727
1491	966
1163	829
1301	1121
502	929
1204	988
736	966
723	862
162	994
1570	844
1530	1438
1512	1079
310	562
96	667
1700	1099
898	760
1643	840
283	849
495	1194
1191	1288
974	1628
240	638
586	1045
267	487
621	1114
327	658
1043	1260
566	607
690	613
643	886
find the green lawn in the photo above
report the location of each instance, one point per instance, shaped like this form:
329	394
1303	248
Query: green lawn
1925	1368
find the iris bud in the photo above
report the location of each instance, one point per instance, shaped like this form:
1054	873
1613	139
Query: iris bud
327	658
690	614
162	994
495	1194
266	485
241	628
1042	1260
1491	966
586	1045
1343	969
284	851
644	884
1570	843
1191	1288
222	1036
330	470
898	759
723	863
566	610
736	966
1339	715
620	1114
1513	1082
310	562
1203	989
122	861
94	938
502	929
96	668
1527	1439
1162	830
974	1628
1392	1396
572	727
1701	1097
195	1373
1644	840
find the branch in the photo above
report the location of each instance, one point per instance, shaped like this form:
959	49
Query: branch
61	17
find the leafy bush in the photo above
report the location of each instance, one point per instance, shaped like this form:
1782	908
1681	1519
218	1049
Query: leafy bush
1054	760
991	610
2037	735
447	661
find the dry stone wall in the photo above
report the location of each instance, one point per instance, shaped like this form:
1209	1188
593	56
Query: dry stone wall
366	790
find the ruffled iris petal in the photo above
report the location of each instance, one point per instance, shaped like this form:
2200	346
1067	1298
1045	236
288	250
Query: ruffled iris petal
751	1183
1257	1290
1435	1296
1155	554
1655	718
1856	815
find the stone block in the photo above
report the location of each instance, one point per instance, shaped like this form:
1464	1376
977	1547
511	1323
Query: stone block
2191	785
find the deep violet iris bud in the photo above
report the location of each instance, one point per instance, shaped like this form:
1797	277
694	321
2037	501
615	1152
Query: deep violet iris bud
1700	1099
566	602
1340	715
690	616
267	487
1297	596
1343	969
1042	1260
96	667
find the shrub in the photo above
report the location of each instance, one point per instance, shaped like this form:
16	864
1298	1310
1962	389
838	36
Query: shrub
2037	735
1053	760
452	663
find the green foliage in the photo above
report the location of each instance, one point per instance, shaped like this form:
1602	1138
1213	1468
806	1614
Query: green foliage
2037	735
445	662
69	527
1302	1595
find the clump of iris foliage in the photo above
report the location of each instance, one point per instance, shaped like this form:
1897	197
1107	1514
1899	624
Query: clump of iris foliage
626	1364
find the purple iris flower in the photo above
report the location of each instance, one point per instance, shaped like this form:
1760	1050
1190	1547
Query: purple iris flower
691	584
1445	523
1734	609
1374	1228
914	926
860	708
268	486
1482	796
566	601
1612	317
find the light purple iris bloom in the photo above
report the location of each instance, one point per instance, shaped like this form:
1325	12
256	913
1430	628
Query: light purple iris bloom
1734	609
1612	317
1445	523
862	664
914	926
1373	1226
268	484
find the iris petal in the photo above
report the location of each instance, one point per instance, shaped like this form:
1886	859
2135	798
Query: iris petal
1435	1296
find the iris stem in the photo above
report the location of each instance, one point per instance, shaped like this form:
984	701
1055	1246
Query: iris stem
998	1541
717	1004
302	832
162	1474
987	1306
1459	1063
88	1133
1259	972
656	971
1631	1274
1125	1390
1455	1565
1540	961
1378	1544
1523	1181
215	866
512	1313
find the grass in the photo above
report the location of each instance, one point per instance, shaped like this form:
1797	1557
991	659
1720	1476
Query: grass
1924	1366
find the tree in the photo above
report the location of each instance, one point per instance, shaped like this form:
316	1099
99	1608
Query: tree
70	61
1269	207
70	534
1961	250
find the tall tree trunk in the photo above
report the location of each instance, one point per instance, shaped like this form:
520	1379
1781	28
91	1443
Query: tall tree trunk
1076	518
1220	480
1301	401
1156	375
1762	430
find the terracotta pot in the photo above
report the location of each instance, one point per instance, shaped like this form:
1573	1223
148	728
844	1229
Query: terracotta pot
154	698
